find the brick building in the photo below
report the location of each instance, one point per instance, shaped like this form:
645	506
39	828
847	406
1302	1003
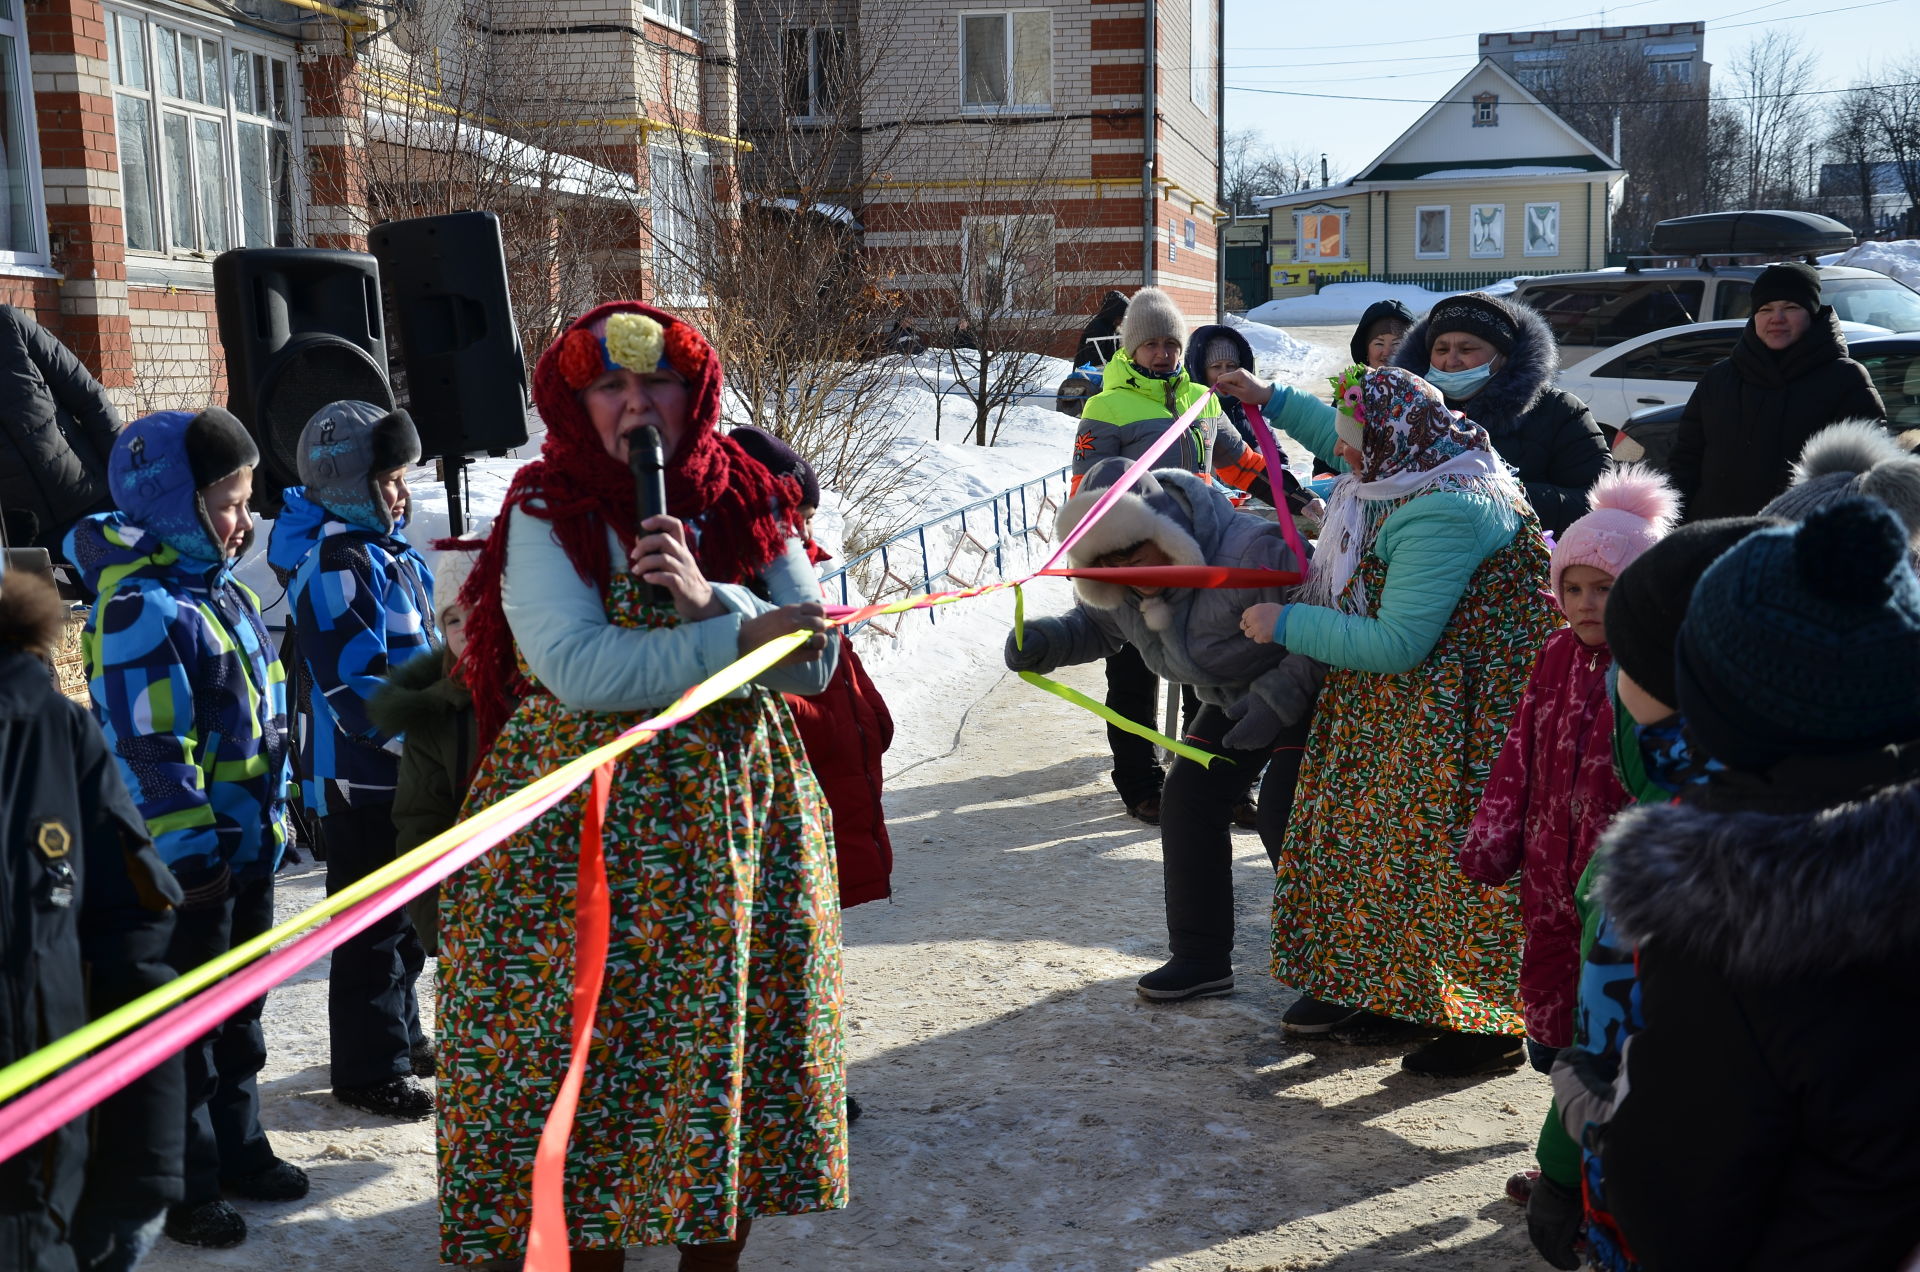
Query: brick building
1021	160
159	133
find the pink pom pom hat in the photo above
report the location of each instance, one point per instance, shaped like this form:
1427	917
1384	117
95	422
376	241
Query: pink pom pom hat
1633	508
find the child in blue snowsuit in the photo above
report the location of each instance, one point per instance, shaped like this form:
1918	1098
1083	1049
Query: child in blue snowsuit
193	703
362	602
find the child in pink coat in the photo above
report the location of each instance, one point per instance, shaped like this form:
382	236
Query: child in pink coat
1553	790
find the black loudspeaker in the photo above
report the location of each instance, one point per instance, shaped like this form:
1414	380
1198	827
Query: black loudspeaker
459	347
302	327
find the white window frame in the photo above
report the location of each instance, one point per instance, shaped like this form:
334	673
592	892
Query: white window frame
673	283
1300	236
1446	232
815	112
1486	111
1526	240
1012	278
30	172
1200	52
684	14
1008	107
1500	243
230	118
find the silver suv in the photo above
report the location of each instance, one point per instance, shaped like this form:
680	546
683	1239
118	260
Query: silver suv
1594	311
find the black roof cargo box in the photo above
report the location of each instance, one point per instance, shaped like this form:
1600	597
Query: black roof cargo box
1750	233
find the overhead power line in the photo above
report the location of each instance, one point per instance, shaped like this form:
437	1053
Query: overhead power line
1625	101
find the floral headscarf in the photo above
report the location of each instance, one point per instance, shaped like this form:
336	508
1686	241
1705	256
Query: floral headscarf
1410	444
1407	428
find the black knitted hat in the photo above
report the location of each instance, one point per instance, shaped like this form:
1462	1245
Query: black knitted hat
1649	598
1804	640
1795	282
1477	314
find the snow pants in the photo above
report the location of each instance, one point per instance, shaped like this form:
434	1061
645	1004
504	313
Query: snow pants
373	1016
224	1139
1196	829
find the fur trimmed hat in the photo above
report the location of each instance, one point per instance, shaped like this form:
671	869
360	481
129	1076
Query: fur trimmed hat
1145	514
343	447
1633	508
1151	314
1853	457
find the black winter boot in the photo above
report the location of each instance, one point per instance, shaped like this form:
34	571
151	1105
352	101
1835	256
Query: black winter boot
402	1097
211	1225
1179	979
280	1181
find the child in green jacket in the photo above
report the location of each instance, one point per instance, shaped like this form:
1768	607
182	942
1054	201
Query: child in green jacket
424	700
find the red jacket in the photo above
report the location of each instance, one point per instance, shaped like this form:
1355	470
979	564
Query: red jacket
1553	791
846	729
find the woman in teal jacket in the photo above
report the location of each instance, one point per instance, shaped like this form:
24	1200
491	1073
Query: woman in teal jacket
1427	604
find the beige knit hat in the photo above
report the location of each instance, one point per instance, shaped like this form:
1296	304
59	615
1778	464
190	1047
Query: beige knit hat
1151	313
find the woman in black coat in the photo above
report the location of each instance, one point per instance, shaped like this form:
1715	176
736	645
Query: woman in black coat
1495	361
56	431
1752	413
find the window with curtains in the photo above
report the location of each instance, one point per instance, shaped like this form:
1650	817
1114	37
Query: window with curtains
205	126
23	229
678	180
1009	264
1006	60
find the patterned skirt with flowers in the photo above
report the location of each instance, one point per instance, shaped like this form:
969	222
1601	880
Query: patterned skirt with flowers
716	1088
1370	908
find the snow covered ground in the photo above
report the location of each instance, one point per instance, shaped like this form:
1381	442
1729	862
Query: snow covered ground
1345	302
1027	1113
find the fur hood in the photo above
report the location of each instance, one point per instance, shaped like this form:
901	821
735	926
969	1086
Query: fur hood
417	692
1158	509
1768	894
1519	385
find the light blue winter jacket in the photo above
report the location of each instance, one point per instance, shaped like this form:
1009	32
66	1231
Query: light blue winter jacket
559	622
1431	546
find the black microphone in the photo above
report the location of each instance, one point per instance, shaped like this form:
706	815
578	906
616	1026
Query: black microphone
649	466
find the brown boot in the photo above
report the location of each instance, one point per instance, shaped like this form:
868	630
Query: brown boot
717	1256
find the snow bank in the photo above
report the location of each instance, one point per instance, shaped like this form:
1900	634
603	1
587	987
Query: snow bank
1899	259
1345	302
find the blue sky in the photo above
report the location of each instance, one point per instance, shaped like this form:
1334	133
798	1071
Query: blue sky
1404	49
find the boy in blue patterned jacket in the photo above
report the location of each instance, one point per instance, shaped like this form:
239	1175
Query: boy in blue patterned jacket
362	602
193	704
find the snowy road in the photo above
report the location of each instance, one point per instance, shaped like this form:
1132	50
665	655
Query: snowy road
1025	1109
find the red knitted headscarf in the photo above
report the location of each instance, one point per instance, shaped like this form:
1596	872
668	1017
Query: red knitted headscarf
738	517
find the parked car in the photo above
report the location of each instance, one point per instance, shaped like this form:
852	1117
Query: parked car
1893	362
1660	367
1597	311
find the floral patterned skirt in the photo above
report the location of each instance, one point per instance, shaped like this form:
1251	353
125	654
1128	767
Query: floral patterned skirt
1370	907
716	1088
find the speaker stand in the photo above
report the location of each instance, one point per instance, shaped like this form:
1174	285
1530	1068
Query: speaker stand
451	469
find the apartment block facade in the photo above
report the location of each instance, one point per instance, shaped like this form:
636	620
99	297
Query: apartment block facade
1057	151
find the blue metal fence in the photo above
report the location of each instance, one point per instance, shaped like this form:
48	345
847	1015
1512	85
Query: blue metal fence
1013	515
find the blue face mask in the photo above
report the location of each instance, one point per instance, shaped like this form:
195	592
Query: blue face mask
1460	385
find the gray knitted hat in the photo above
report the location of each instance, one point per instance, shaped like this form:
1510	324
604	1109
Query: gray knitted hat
1853	457
1151	313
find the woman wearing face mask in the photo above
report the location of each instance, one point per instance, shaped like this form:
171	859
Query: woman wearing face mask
1750	415
1495	361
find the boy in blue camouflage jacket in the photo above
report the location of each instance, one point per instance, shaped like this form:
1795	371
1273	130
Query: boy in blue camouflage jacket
193	705
362	602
